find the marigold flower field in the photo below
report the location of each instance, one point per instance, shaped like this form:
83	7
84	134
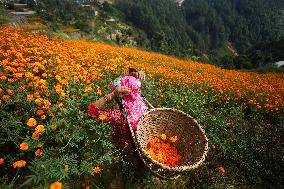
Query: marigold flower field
34	60
42	77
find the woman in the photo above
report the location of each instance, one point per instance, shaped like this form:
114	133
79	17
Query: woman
125	91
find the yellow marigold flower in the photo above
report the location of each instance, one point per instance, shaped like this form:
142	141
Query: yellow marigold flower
174	138
40	145
38	101
60	104
24	146
31	122
163	136
1	161
39	129
96	170
102	117
58	77
38	152
56	185
66	167
20	163
99	91
88	89
43	117
63	94
47	104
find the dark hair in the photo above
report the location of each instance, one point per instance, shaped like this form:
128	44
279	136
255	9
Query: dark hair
130	70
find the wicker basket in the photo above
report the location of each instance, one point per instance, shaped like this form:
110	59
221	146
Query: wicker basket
192	144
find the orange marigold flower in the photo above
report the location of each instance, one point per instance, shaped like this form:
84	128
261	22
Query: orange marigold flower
221	169
21	88
163	136
31	122
3	77
20	163
5	97
64	82
102	117
30	97
40	145
47	104
39	112
10	91
163	152
38	152
36	135
174	138
1	161
96	170
24	146
44	75
56	185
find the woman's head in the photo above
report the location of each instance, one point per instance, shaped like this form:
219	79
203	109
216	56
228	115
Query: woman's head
136	73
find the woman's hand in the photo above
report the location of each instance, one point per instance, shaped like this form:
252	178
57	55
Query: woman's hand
121	91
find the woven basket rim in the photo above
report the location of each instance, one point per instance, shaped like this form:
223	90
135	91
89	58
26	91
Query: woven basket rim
179	168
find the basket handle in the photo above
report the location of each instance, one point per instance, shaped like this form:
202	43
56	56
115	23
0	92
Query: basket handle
147	102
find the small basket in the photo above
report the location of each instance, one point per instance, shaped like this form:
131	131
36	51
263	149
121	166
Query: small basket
192	142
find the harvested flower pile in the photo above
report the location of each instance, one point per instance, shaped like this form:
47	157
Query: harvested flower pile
163	151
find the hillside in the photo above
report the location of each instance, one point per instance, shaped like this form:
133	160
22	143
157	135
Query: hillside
46	85
192	30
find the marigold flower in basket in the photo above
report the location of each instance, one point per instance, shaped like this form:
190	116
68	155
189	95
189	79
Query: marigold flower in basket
163	152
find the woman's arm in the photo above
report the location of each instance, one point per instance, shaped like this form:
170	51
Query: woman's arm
119	92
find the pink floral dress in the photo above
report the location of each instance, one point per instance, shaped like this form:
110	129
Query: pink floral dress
132	108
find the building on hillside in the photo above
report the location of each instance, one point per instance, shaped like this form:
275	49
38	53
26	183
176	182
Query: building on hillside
280	64
179	2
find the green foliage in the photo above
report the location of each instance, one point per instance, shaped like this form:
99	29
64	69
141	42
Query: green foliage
66	12
208	26
162	21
